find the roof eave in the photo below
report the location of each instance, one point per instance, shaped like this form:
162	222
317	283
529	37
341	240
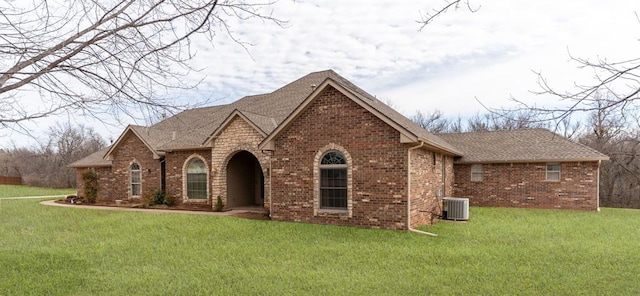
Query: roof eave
594	159
441	148
101	165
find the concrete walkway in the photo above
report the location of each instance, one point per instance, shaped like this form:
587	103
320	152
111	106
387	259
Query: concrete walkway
162	211
34	197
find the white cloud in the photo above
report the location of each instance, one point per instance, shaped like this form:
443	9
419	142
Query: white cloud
489	54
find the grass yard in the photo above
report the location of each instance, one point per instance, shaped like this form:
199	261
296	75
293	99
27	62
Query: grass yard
22	191
66	251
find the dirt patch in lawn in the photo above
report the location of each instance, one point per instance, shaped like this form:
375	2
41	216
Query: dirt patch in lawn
253	215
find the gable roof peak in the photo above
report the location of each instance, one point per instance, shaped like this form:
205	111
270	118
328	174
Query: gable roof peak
409	131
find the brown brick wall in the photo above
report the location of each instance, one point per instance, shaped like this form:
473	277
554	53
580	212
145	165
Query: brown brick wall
175	162
379	165
524	185
426	179
104	182
131	148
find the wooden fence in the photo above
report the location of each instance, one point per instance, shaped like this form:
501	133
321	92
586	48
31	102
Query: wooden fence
10	180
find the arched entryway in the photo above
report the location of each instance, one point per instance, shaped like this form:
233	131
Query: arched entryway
245	181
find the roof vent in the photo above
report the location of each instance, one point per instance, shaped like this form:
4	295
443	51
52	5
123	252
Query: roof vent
313	86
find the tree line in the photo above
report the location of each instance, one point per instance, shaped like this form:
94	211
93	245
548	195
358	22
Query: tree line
45	165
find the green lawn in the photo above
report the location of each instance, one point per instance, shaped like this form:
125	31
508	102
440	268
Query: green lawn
21	191
65	251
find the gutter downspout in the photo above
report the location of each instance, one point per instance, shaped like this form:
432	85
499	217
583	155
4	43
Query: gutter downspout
598	187
409	191
270	185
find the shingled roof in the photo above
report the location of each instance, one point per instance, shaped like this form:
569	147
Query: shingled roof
95	159
192	128
517	146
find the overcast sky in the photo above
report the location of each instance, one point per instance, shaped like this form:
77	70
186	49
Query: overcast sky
489	55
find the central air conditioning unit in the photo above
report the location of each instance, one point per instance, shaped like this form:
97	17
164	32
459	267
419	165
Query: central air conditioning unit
455	208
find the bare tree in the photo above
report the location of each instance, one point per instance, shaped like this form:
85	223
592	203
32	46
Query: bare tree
609	132
46	166
71	144
104	56
436	122
621	79
493	121
433	122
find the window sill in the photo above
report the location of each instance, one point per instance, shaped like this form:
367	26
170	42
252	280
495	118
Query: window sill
333	212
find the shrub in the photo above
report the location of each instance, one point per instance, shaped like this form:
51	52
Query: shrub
159	197
170	200
148	198
90	180
219	205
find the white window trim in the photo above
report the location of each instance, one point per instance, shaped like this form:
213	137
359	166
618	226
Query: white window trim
558	172
185	165
131	179
317	210
477	173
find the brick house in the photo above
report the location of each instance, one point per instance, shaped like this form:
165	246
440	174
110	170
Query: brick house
322	150
532	168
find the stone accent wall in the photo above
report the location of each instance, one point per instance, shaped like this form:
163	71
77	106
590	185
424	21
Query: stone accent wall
131	149
379	172
175	162
426	179
237	136
524	185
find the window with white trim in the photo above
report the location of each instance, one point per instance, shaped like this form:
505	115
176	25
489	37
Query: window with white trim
477	173
553	172
196	179
136	179
333	181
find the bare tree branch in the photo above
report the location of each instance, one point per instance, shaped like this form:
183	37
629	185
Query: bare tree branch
427	18
95	56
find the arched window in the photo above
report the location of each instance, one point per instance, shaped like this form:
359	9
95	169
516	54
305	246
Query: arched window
333	181
134	172
196	179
